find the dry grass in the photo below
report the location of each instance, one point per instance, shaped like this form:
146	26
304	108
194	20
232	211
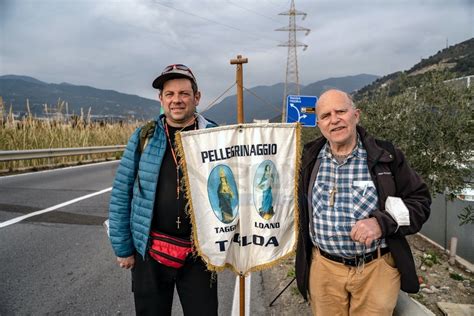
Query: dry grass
58	131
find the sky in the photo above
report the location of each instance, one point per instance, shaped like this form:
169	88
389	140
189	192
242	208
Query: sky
123	45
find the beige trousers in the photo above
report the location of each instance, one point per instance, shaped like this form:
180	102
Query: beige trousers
336	289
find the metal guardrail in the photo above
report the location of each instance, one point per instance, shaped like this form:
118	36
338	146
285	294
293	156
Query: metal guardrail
11	155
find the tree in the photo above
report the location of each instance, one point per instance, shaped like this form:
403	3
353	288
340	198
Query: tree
432	123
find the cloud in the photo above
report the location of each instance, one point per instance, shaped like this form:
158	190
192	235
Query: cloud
123	45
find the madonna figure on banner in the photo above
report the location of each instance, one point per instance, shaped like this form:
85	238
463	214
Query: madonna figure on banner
222	192
265	183
225	195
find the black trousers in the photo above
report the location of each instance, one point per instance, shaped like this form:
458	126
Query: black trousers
153	287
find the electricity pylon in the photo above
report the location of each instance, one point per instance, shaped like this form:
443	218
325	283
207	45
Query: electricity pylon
292	84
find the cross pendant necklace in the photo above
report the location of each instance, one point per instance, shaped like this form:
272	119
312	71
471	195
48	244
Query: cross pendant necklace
177	173
178	184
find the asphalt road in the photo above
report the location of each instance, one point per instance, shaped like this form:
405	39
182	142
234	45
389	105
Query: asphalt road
61	262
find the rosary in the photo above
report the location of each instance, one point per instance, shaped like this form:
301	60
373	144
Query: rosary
178	183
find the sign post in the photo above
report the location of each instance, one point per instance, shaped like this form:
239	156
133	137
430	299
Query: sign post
301	109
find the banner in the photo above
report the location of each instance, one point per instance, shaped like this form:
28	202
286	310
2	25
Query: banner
241	184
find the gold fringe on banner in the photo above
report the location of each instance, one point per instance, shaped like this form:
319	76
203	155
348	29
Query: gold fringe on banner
190	209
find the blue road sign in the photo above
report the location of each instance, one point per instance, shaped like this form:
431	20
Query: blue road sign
301	108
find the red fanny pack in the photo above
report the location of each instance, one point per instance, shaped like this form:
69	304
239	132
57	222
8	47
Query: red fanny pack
169	250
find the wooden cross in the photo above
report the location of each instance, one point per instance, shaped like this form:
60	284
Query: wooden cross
332	195
240	87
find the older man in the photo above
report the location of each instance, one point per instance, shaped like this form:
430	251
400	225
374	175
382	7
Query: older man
352	256
148	221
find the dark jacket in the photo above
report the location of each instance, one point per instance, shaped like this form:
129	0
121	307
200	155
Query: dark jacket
403	182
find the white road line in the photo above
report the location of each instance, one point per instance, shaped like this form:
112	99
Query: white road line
52	208
236	300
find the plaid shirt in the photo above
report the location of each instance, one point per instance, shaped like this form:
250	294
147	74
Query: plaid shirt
354	199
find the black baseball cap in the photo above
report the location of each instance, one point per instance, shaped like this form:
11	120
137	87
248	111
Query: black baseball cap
174	71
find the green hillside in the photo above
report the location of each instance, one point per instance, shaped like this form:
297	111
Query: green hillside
452	62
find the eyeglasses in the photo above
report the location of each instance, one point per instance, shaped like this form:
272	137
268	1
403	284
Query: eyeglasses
179	67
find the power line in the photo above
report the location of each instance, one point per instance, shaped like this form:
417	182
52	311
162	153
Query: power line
254	12
263	100
212	103
199	16
213	21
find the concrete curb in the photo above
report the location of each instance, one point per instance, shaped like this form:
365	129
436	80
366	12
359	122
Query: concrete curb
406	306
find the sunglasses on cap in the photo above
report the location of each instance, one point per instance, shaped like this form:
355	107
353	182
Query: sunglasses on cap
174	71
179	67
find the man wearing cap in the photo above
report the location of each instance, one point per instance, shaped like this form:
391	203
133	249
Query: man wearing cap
147	198
352	256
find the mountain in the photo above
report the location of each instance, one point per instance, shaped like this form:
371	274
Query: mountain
15	90
268	101
454	61
24	78
265	102
348	84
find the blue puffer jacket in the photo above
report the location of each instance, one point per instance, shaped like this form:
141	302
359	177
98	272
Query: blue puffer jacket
131	208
